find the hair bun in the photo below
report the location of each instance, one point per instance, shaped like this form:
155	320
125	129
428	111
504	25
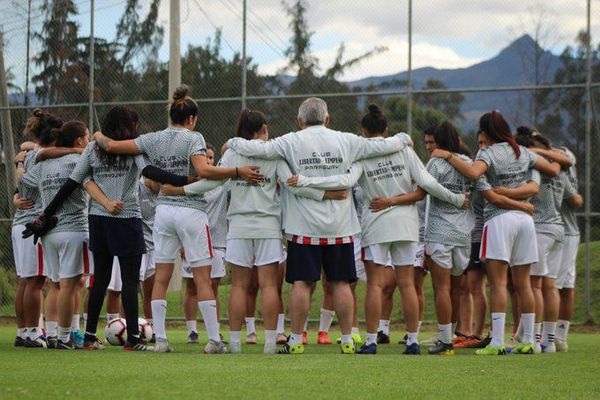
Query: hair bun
374	109
38	112
181	92
524	131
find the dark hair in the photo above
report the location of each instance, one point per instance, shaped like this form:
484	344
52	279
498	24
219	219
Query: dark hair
40	125
463	149
496	127
446	137
529	137
120	123
209	146
374	121
182	106
69	132
249	123
429	131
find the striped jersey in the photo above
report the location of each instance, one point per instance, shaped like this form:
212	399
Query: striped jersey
49	176
477	203
216	209
358	197
119	181
446	223
568	212
504	169
421	209
171	150
147	209
30	193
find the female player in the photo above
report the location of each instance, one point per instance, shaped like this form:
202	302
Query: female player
507	233
383	178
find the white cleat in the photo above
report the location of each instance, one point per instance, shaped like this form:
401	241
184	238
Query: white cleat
561	346
537	348
235	347
270	348
163	346
214	347
549	348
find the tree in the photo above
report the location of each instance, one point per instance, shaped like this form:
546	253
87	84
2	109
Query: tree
449	103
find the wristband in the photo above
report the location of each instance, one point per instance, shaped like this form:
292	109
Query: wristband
450	156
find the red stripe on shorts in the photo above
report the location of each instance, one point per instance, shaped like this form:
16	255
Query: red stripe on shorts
294	238
86	259
210	250
91	281
40	255
339	240
306	240
484	243
362	254
323	242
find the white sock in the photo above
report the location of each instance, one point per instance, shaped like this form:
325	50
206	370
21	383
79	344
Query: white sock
64	333
384	326
235	337
306	325
150	321
348	338
85	319
548	333
412	338
51	328
419	326
325	320
250	327
270	337
192	326
34	333
526	329
110	317
41	322
371	338
445	332
159	313
208	308
355	331
454	325
498	321
537	330
281	323
22	333
562	330
295	338
75	322
519	333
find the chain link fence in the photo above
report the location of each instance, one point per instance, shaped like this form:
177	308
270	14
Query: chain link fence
270	55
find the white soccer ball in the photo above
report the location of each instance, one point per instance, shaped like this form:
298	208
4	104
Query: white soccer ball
115	332
145	329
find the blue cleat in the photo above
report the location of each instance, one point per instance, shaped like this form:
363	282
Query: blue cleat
77	337
368	349
413	350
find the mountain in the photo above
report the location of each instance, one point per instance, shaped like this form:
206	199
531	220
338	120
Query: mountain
513	66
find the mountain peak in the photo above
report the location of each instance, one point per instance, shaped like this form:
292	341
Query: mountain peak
524	43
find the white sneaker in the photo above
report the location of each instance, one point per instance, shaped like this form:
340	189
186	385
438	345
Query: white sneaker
537	348
162	346
235	347
270	348
549	348
561	345
214	347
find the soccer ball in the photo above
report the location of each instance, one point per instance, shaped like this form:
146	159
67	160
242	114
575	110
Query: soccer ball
115	332
145	329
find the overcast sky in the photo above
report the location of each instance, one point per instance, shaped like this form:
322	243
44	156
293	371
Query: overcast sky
447	33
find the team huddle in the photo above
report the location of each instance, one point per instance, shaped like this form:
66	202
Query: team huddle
115	213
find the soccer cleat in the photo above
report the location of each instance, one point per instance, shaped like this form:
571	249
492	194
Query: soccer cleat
460	338
467	342
382	338
192	338
355	337
412	350
297	348
323	338
223	338
139	346
70	345
77	337
431	342
270	348
163	346
37	343
561	346
368	349
537	348
214	347
19	341
152	339
484	342
513	342
490	350
304	338
442	349
404	340
235	347
549	348
251	338
281	339
52	342
91	342
349	348
522	348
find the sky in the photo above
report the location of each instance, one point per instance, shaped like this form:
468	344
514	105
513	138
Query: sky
446	33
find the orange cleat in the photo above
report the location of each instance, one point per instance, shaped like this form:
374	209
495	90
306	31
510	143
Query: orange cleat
323	338
458	340
468	342
304	338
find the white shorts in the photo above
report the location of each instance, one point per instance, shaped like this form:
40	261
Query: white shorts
391	253
29	257
568	261
67	255
454	258
549	255
115	284
253	252
217	268
361	272
148	266
420	256
175	227
509	237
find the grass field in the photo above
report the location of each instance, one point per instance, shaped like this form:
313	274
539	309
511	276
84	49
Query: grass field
320	373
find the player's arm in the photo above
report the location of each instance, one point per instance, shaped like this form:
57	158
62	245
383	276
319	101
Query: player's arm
20	164
113	207
334	182
471	171
554	155
56	152
28	146
22	203
507	203
381	203
523	192
269	150
116	146
204	170
372	148
284	173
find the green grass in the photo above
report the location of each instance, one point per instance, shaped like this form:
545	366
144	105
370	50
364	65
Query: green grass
320	373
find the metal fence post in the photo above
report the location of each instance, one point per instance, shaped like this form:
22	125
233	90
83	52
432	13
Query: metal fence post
92	68
174	48
244	65
588	167
7	135
409	83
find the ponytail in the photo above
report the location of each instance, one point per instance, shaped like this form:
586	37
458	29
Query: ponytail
249	123
496	127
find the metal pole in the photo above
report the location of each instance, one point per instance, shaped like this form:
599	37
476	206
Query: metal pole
409	93
7	136
588	164
92	67
244	66
26	97
174	47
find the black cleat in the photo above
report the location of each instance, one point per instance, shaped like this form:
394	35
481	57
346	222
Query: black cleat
19	341
382	338
442	349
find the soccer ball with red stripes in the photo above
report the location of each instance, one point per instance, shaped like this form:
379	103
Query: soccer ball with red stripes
145	329
115	332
